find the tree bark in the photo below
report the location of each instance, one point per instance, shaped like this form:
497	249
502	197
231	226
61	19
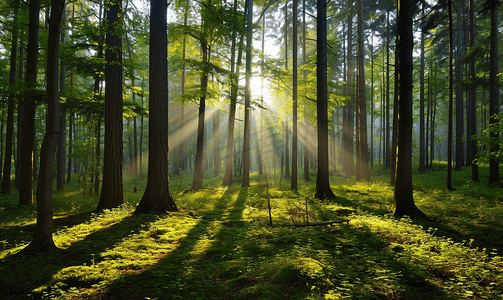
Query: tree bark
42	238
323	189
494	101
387	149
422	141
472	127
460	152
247	119
157	196
451	88
294	102
306	121
234	77
348	131
112	190
216	143
362	104
70	146
61	170
197	181
404	199
29	106
9	135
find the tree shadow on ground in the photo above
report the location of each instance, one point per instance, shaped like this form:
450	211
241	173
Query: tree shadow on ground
20	265
18	235
484	234
367	259
194	269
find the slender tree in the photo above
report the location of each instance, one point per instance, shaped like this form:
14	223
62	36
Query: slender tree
422	141
404	199
451	88
323	189
112	190
349	120
362	103
458	77
234	78
10	106
304	62
42	238
472	96
494	87
216	143
294	101
29	106
247	120
157	196
60	179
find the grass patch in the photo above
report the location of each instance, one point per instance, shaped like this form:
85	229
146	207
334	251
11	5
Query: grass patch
220	245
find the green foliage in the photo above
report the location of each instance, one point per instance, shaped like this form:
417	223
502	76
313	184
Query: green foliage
488	142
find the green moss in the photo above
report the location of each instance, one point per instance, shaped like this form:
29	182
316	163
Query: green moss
220	245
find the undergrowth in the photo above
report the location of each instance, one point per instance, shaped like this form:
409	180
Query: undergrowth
220	244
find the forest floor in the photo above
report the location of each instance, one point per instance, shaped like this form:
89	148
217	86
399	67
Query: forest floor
220	244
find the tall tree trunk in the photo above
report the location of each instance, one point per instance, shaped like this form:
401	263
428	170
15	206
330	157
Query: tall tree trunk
294	101
348	132
306	121
70	146
428	117
247	119
261	144
286	140
404	199
180	164
157	196
362	103
323	189
434	114
140	165
197	181
460	152
97	153
29	106
394	133
234	77
372	103
216	143
451	87
20	114
42	238
422	141
287	148
61	170
472	127
9	135
112	190
494	101
387	149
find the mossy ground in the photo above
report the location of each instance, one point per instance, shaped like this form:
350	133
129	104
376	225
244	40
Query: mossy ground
220	245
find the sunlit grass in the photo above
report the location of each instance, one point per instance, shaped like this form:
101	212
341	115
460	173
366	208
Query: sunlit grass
220	245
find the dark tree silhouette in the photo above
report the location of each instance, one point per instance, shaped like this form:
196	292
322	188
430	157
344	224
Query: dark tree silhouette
323	189
247	121
494	87
157	196
42	238
111	189
404	199
28	108
10	107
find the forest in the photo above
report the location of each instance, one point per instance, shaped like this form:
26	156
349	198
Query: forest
289	149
